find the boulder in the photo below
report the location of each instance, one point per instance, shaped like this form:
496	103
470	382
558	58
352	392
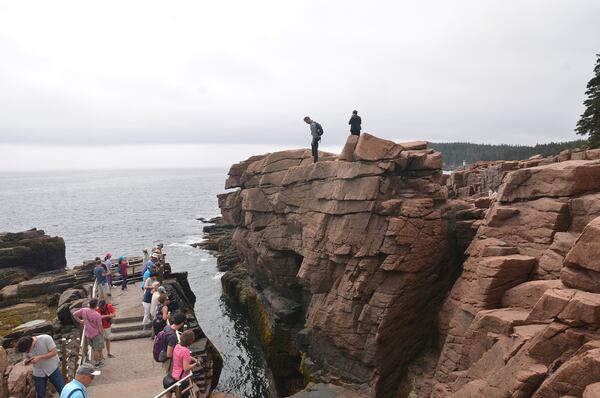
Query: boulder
586	251
592	391
527	294
553	180
573	376
38	326
371	148
498	274
20	380
348	150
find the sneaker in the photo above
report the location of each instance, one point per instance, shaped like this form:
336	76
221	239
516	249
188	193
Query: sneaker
110	355
99	365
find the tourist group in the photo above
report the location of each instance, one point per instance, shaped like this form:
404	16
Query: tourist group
171	347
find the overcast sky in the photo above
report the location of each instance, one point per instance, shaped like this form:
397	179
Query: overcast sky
75	75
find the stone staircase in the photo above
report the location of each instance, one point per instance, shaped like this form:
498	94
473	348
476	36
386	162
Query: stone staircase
129	328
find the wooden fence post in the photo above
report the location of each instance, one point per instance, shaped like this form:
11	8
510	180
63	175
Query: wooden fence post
63	358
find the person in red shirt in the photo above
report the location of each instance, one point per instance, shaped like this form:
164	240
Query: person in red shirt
107	313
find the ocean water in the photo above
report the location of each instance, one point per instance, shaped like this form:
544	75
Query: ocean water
123	212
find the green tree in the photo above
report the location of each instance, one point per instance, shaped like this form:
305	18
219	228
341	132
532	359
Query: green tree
589	124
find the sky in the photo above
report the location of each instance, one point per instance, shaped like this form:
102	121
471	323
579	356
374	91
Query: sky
204	84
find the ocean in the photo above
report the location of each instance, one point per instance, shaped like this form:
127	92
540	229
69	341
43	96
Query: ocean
122	212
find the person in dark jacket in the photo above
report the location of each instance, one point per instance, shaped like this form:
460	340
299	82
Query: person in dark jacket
354	123
315	131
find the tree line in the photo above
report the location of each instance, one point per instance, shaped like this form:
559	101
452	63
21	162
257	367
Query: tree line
455	153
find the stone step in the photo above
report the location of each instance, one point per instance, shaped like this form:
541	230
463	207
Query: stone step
127	326
128	319
135	334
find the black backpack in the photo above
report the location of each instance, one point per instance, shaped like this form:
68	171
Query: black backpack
319	129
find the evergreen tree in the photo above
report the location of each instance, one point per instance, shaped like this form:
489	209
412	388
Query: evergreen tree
590	119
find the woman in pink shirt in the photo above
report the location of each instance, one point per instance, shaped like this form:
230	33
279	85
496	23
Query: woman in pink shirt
183	361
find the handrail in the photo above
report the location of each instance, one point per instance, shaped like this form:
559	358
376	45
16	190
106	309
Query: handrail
178	383
83	333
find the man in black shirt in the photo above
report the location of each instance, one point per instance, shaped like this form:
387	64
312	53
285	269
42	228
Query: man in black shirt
354	123
177	321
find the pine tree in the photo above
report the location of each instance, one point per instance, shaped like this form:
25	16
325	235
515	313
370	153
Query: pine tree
590	119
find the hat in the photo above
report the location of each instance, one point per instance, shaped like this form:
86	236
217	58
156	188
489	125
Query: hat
87	369
108	255
154	255
162	289
121	258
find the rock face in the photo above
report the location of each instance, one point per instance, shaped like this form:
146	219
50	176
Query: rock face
350	258
522	319
28	253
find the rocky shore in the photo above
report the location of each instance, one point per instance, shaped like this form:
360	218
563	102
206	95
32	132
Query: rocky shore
372	274
42	293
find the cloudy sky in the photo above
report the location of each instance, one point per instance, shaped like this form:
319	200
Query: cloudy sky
88	84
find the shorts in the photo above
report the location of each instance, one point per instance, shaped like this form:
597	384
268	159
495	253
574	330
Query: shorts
103	288
97	342
107	333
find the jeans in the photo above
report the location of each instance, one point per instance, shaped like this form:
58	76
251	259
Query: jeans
56	378
315	150
123	281
146	319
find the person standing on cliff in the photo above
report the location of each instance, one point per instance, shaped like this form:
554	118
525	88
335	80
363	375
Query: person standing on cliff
40	351
316	131
355	122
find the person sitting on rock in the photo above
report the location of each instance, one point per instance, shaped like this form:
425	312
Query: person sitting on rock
83	378
316	131
355	122
40	351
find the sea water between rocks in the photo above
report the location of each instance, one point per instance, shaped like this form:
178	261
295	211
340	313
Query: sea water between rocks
122	212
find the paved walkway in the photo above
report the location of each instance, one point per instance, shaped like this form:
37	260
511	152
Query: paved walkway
133	373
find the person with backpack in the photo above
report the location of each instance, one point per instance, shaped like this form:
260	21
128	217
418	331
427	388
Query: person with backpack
183	362
83	378
166	340
162	313
316	131
107	313
40	351
355	122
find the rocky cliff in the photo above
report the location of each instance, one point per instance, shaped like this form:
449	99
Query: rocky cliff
523	318
348	259
25	254
359	271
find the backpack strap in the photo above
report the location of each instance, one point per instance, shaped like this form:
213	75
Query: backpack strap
74	391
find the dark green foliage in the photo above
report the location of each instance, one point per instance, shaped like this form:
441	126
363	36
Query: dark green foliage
455	152
589	124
